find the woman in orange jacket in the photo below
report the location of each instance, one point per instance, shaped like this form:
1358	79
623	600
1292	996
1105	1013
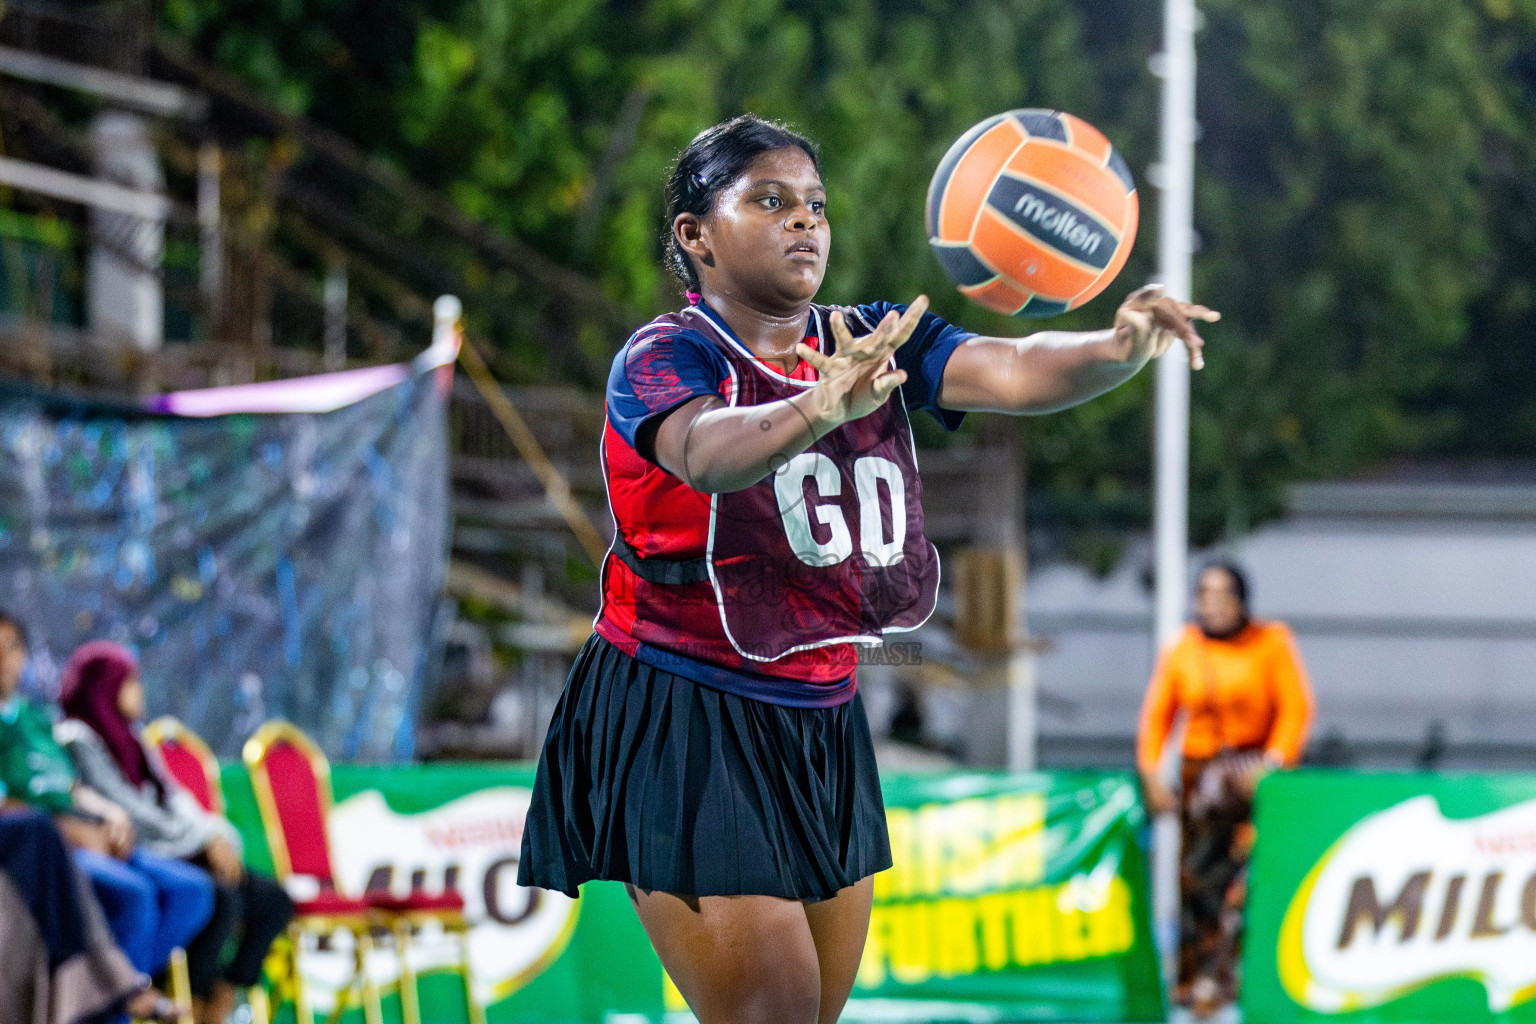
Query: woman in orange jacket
1247	706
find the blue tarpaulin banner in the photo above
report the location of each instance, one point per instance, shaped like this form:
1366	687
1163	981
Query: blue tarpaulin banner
263	564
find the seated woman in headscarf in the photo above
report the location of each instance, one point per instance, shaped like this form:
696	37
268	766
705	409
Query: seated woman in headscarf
104	701
153	905
58	963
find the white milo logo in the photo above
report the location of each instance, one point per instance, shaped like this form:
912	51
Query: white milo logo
1061	223
1407	897
475	840
796	512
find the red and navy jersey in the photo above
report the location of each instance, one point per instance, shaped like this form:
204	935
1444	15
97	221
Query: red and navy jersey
681	626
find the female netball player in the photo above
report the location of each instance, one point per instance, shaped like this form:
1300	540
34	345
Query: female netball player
710	749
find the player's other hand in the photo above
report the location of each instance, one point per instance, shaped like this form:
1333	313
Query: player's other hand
1149	322
857	378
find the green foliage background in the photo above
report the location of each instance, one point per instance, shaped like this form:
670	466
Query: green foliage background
1366	199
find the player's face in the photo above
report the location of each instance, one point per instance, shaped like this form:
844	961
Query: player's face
1217	604
768	234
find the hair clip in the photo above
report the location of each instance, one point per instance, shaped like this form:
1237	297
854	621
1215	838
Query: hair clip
698	180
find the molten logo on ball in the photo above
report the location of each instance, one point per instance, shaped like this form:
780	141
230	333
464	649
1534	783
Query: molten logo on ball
1062	223
1051	220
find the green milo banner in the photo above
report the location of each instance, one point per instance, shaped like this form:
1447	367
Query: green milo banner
1013	897
1392	899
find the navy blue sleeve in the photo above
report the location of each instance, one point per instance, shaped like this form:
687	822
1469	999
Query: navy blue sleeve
924	357
660	368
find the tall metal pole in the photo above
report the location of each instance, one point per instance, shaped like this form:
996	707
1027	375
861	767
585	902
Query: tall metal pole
1170	515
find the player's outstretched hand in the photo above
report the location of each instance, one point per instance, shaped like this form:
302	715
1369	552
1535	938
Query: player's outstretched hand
1149	322
857	379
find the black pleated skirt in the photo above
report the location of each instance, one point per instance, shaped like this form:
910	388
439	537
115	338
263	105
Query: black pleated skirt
650	778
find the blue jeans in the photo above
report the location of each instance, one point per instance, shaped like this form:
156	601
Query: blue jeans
152	904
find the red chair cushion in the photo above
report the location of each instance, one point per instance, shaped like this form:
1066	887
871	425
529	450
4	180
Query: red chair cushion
296	792
419	901
187	769
331	903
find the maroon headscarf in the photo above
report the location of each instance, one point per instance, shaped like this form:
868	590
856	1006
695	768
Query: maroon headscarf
92	680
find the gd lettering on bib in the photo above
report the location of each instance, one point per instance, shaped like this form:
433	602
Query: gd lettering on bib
829	548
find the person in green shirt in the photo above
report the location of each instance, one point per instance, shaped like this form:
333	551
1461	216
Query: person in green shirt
36	771
153	904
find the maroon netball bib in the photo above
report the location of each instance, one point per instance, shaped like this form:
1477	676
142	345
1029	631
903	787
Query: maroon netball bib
829	548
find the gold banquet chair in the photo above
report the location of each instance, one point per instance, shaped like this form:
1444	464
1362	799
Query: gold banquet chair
292	781
305	781
195	769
